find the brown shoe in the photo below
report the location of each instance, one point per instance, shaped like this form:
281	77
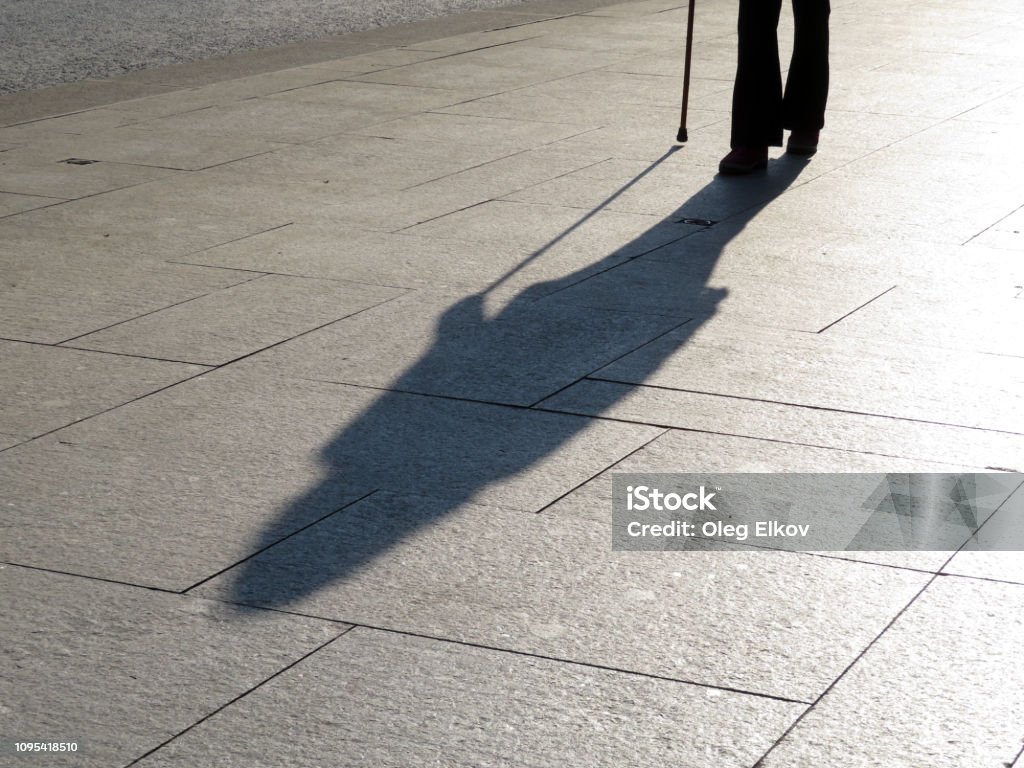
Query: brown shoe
743	160
802	143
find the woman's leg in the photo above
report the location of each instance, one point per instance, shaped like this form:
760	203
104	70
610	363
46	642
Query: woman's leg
757	95
807	83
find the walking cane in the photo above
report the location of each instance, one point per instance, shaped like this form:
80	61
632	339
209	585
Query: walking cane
681	136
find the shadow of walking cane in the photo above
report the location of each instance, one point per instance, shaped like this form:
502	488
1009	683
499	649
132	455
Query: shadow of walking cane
422	439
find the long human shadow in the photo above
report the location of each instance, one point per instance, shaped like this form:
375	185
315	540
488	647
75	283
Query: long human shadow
457	422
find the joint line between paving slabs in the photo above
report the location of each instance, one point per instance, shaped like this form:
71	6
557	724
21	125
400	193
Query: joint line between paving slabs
993	225
804	405
287	536
89	577
776	440
609	362
606	469
841	675
240	696
156	311
111	408
857	309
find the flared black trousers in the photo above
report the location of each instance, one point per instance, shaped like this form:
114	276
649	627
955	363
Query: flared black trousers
760	109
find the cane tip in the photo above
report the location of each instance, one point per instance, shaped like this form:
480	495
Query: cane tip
681	136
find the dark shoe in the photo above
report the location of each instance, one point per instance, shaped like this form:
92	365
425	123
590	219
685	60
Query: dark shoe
802	143
743	160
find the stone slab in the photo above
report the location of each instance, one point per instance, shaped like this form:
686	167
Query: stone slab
219	327
122	669
510	135
987	318
367	438
44	388
133	511
432	345
666	187
803	299
265	119
549	585
915	95
741	417
28	173
413	701
123	222
860	376
363	165
86	121
711	453
7	441
13	204
176	148
998	552
220	93
544	228
445	265
956	702
49	297
350	93
865	205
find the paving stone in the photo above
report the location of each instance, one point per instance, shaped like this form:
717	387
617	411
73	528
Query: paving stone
802	299
361	165
642	138
677	451
1005	234
180	148
87	121
998	550
663	188
897	438
11	204
624	89
121	669
550	586
337	252
913	95
273	119
368	439
48	296
986	320
219	327
7	441
408	699
431	345
383	58
855	202
544	227
43	388
123	222
955	703
29	173
507	134
457	73
350	93
860	376
133	511
220	93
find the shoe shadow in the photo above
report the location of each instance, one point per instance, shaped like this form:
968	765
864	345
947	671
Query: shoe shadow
462	425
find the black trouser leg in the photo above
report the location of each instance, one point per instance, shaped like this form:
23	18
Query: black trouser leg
803	107
757	96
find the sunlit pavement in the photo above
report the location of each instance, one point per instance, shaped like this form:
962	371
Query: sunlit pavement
317	364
